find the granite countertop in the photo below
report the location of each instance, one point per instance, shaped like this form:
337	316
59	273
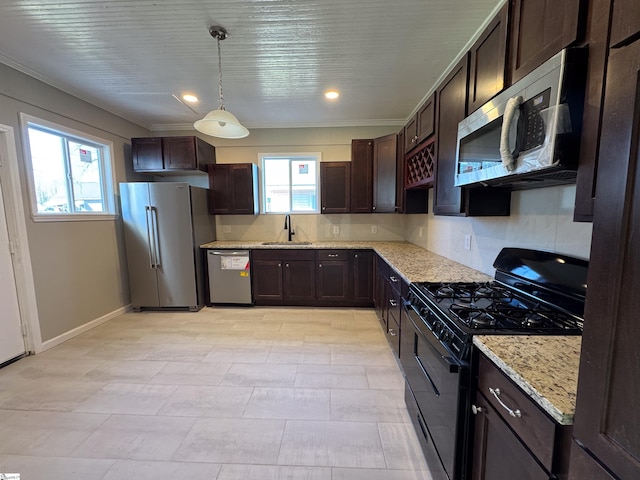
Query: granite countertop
413	263
545	367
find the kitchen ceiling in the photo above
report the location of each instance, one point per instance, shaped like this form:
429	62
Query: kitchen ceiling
135	58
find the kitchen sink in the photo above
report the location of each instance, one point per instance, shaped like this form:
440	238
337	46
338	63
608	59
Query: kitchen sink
286	243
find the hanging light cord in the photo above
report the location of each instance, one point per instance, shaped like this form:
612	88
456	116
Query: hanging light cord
221	105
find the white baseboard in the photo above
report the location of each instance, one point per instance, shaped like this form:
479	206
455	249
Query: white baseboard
81	329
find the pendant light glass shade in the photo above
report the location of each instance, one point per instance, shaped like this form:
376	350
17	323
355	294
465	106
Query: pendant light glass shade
220	123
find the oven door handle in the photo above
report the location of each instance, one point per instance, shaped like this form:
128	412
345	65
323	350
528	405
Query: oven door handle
452	363
426	374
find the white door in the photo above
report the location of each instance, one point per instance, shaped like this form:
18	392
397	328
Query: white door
11	340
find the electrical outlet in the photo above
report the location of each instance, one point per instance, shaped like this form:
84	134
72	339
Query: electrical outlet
420	232
467	242
374	229
226	229
336	230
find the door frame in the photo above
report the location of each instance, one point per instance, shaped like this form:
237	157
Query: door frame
17	228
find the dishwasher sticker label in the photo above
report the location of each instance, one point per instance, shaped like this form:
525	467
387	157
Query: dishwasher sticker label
234	263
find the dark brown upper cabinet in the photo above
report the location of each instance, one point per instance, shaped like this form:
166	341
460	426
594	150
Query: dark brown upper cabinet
607	418
597	40
488	61
384	173
540	29
421	126
233	189
448	199
335	179
171	155
625	22
361	176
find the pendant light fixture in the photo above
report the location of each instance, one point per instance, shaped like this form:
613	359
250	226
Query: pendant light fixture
220	123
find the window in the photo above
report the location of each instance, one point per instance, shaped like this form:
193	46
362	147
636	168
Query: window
290	183
69	172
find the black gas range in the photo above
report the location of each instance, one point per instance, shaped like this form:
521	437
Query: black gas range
533	293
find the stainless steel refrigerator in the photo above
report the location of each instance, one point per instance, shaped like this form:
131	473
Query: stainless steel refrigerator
164	225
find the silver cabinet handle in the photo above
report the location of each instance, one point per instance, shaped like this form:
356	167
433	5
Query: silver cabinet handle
496	394
332	255
393	279
393	303
392	332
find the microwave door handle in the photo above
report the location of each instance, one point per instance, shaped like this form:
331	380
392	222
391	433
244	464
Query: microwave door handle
513	104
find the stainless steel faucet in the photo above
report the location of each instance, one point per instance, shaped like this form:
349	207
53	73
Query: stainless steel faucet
288	227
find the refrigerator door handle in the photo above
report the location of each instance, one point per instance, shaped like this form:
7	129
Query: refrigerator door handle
150	248
156	236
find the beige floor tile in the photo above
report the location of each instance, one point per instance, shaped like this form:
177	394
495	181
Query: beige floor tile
385	378
240	354
289	403
45	433
367	405
315	355
179	352
401	447
259	375
149	470
55	468
335	444
125	398
50	394
268	472
37	367
362	355
248	441
331	376
190	373
207	401
124	371
378	474
136	437
121	351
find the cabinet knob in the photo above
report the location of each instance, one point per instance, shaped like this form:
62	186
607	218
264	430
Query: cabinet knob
355	256
286	265
320	265
374	207
279	265
324	208
476	410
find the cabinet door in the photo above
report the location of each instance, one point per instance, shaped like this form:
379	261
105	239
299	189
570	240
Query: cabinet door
332	281
497	453
363	274
384	174
607	419
488	58
361	176
335	186
411	134
452	108
426	117
267	282
147	154
179	153
299	282
625	21
242	180
220	195
540	29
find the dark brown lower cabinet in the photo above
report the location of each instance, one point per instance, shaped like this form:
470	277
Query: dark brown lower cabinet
527	446
313	277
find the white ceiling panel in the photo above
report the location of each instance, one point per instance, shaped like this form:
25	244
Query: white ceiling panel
132	57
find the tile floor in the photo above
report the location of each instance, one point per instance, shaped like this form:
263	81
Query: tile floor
224	394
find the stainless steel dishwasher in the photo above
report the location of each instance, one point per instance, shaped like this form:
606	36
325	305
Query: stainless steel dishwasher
229	277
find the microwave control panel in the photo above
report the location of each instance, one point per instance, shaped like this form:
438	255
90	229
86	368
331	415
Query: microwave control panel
534	131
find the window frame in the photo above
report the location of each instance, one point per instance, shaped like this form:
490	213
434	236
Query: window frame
315	157
107	171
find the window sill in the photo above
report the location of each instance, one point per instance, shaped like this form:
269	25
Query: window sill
78	217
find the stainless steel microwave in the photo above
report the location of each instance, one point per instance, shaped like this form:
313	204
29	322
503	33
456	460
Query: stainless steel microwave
529	135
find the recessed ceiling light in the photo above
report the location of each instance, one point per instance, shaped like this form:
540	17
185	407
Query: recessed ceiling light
332	94
189	98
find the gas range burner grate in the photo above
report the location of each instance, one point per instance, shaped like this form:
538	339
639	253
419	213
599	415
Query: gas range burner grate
467	291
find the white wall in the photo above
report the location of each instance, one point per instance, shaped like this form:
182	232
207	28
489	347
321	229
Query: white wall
540	219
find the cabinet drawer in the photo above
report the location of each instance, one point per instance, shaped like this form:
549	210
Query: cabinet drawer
332	255
282	254
533	426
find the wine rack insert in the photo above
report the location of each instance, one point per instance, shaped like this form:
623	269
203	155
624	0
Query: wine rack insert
420	166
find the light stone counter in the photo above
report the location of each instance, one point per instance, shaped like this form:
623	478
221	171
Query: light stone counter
545	367
413	263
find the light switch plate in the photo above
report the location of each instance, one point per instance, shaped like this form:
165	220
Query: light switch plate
467	242
226	229
374	229
336	230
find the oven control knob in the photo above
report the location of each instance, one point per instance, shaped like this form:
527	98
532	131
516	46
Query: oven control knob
446	336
